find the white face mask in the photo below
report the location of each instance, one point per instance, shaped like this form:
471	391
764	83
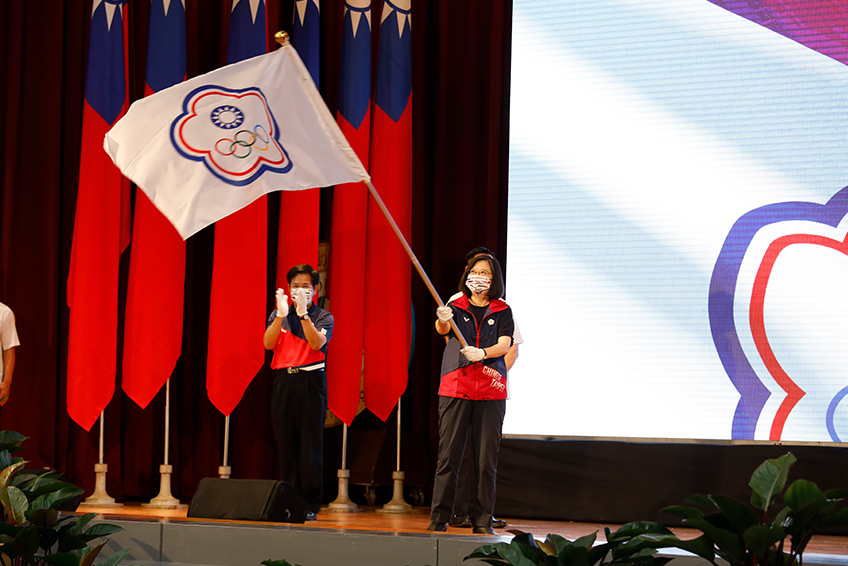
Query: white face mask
306	292
478	284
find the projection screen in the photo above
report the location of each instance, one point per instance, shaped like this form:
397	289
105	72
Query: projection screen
677	255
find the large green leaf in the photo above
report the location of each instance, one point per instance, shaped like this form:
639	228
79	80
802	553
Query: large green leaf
83	521
729	544
578	556
636	528
11	440
558	542
699	500
685	513
71	542
101	530
117	557
837	518
760	538
8	472
15	502
737	515
836	493
769	479
43	517
54	498
515	555
489	553
802	493
40	485
47	538
89	557
701	546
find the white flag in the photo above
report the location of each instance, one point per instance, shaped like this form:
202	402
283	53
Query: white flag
210	146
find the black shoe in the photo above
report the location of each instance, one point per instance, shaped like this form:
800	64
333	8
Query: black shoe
498	523
437	526
311	516
484	531
461	521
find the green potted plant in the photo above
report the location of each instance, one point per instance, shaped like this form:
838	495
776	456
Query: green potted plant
749	535
622	547
33	532
740	534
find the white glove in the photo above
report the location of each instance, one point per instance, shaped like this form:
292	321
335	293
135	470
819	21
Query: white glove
282	304
299	300
444	313
473	354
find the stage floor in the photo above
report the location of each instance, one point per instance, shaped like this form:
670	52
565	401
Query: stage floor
363	529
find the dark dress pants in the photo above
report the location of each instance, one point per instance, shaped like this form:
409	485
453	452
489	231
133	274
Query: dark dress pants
298	411
482	420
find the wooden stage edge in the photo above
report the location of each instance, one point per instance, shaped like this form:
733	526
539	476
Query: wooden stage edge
347	538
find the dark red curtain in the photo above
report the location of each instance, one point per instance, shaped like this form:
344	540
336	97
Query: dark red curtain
461	56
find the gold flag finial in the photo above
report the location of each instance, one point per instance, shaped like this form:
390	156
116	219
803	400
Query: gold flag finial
281	37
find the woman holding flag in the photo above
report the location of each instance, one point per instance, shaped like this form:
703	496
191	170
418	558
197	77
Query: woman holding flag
472	392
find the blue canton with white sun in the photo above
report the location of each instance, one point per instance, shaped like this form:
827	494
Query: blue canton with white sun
227	117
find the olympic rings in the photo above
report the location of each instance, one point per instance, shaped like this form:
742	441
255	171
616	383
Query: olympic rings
244	142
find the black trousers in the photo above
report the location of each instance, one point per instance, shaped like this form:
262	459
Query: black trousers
482	420
466	484
298	411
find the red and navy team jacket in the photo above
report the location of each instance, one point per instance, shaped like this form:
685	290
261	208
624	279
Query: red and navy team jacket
292	350
479	381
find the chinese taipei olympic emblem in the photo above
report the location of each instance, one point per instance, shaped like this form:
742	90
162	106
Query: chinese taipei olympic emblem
776	299
233	133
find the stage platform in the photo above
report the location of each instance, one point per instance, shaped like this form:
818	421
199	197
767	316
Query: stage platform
366	538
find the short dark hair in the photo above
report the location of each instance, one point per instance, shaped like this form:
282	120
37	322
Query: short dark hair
496	291
480	250
303	268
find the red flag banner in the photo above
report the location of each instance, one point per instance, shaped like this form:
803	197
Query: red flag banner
153	323
237	300
388	320
300	212
346	284
100	224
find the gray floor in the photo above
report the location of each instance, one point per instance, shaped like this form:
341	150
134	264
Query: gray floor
164	543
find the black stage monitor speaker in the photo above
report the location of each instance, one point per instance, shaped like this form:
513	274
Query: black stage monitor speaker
248	500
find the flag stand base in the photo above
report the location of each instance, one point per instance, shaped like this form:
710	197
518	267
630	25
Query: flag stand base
397	504
100	498
224	472
343	504
165	500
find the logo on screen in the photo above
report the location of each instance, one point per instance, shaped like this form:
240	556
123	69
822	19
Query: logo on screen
777	307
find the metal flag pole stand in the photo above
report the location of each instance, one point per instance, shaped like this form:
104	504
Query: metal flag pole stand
100	498
224	471
343	504
397	504
165	500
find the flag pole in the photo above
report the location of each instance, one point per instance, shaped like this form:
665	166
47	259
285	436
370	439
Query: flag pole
282	38
376	196
165	500
100	497
343	503
398	504
224	471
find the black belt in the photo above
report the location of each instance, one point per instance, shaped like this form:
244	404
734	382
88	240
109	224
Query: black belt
315	367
